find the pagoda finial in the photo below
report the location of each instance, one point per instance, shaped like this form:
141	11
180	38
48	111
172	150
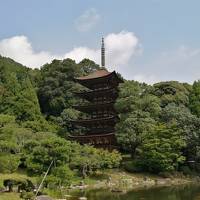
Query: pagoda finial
102	53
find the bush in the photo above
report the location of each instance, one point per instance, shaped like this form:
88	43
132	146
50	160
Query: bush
186	170
165	174
22	184
131	166
27	195
60	176
9	163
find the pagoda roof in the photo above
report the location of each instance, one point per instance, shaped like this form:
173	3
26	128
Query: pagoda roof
88	122
96	74
97	77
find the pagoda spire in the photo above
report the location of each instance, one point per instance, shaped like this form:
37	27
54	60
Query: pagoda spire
102	53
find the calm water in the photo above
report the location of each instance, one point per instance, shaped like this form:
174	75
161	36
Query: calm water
188	192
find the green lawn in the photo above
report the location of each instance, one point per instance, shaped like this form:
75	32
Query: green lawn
9	196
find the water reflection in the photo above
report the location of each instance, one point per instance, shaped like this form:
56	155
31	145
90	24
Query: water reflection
186	192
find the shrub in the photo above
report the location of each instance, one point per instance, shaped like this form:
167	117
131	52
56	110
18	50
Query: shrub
9	163
186	170
131	166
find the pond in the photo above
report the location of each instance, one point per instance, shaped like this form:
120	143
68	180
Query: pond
183	192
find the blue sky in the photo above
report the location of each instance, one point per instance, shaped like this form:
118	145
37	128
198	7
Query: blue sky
158	40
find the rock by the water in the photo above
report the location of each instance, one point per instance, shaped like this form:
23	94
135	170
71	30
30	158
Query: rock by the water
44	197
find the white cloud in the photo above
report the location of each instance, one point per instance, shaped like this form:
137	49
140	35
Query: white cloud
120	48
20	49
150	79
87	20
181	64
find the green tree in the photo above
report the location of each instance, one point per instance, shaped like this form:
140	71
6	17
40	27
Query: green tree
60	176
139	110
9	162
52	148
132	130
195	98
172	92
88	159
162	150
188	124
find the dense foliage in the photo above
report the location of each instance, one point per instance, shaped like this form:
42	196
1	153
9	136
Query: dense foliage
158	126
35	108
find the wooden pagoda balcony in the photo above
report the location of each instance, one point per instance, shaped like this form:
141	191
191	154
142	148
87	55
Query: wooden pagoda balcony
111	93
112	120
96	140
95	107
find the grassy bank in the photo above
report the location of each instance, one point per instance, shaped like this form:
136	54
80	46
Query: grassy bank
122	181
115	180
20	175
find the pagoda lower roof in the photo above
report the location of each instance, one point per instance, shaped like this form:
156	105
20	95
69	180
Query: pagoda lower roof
96	140
92	107
88	122
90	95
91	136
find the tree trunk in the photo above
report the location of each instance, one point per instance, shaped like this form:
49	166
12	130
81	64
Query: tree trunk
84	174
10	188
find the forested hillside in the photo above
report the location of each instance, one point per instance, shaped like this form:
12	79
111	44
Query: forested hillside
158	127
35	108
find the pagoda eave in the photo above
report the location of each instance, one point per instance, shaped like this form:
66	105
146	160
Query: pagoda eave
90	95
100	139
89	122
90	81
93	107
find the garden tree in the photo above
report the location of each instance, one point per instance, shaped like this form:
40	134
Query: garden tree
9	162
52	148
133	129
60	176
162	150
87	159
195	98
172	92
109	159
188	124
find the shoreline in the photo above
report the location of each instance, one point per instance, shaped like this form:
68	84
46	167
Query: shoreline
123	182
115	181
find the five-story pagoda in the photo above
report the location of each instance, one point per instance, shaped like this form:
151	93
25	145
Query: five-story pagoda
102	93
